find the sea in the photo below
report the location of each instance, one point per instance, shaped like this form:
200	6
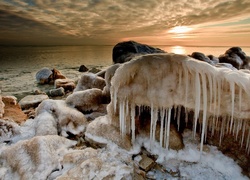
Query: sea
19	64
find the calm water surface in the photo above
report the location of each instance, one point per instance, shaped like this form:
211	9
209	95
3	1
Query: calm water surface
18	65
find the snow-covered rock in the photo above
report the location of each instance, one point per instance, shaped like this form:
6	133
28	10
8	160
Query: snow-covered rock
89	81
32	101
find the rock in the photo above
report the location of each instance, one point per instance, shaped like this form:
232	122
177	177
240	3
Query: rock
12	110
124	51
57	74
32	101
233	59
99	164
94	70
214	59
43	154
56	92
47	76
83	68
146	163
88	81
200	56
1	107
67	84
100	132
8	129
236	50
87	100
69	121
44	76
108	76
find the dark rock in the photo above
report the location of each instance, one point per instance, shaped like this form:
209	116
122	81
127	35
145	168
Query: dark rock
125	51
214	59
83	68
233	59
236	50
200	56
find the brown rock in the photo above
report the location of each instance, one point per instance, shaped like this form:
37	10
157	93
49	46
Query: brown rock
1	107
57	74
67	84
13	110
146	163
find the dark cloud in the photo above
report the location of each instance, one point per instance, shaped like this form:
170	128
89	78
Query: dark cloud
108	21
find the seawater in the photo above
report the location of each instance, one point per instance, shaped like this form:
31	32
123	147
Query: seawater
18	65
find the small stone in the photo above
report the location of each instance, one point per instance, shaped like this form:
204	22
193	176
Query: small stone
67	84
83	68
56	92
146	163
32	101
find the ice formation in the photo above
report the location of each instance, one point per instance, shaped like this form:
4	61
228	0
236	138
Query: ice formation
219	97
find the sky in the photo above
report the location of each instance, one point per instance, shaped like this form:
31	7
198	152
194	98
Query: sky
107	22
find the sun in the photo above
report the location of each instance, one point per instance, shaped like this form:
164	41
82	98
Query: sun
180	29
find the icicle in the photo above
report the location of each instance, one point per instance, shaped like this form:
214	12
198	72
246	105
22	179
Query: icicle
186	75
223	121
232	88
133	121
197	101
165	127
239	126
240	98
168	127
243	133
204	118
162	124
219	98
122	118
155	115
210	92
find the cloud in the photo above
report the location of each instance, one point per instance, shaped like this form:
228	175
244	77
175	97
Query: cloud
108	21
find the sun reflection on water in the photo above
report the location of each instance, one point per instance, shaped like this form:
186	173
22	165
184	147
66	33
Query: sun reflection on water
178	50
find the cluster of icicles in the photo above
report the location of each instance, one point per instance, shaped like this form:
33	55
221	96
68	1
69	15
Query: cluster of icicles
209	88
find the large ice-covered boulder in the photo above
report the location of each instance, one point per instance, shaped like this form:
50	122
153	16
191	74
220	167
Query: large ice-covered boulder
124	51
161	82
36	158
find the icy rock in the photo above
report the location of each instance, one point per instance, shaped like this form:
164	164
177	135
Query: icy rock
68	119
214	59
124	51
67	84
89	81
32	101
108	76
56	92
1	107
36	158
12	110
8	129
107	164
87	100
83	68
164	81
234	59
100	132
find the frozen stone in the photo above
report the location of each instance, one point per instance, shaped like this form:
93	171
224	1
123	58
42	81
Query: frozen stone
8	129
44	76
87	100
1	107
100	132
36	158
146	163
32	101
89	81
